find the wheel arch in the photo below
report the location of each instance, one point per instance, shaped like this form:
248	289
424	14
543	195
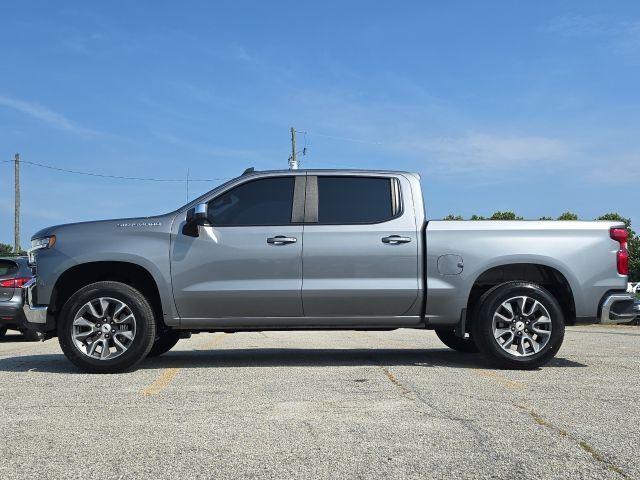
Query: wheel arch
544	275
132	274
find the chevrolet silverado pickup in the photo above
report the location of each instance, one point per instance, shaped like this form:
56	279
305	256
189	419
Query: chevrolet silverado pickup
321	249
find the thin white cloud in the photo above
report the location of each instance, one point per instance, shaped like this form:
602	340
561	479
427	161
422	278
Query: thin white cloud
481	152
432	136
45	115
259	61
215	151
616	169
623	36
238	52
581	25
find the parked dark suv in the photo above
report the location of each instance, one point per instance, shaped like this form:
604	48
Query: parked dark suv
14	273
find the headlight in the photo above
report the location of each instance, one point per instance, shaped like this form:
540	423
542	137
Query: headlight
44	242
39	244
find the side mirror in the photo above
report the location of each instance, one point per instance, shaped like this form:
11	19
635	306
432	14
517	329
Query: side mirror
196	216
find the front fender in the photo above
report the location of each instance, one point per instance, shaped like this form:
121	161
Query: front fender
79	244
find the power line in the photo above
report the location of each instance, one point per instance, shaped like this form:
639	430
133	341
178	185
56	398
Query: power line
117	177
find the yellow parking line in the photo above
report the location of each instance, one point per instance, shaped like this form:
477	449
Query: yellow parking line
168	374
163	380
512	384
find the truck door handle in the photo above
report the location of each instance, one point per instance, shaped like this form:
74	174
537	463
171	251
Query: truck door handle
281	240
395	239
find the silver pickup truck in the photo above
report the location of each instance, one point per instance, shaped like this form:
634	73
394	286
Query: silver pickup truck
321	249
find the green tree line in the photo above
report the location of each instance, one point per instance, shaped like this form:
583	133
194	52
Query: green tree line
6	249
634	239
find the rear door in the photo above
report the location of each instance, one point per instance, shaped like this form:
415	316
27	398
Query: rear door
360	255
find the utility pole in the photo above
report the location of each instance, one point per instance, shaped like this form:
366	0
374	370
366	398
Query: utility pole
16	229
293	162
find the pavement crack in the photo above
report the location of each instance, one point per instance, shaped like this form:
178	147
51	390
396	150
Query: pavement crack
415	397
595	454
314	436
406	391
601	458
505	382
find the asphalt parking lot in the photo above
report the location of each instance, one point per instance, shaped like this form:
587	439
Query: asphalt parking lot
324	405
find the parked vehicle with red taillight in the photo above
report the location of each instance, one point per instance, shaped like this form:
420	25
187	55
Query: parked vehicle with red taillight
14	273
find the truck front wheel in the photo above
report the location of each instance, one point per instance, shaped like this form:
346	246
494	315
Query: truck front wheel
165	342
519	325
106	327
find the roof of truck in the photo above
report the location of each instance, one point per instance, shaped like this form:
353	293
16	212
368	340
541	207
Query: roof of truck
249	171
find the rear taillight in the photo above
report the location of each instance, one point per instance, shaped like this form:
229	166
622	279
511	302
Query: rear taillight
14	282
622	256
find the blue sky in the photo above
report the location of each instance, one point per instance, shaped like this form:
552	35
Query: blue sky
525	106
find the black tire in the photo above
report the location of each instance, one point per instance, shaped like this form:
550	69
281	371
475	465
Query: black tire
482	325
3	331
459	344
165	342
141	343
29	336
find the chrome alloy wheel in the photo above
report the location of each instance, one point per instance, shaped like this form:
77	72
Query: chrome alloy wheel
104	328
522	326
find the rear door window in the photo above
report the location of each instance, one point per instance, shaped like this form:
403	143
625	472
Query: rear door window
8	268
356	200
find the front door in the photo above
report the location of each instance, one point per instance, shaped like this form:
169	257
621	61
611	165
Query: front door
248	263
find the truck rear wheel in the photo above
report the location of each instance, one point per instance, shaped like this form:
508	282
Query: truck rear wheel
165	342
459	344
3	331
106	327
519	325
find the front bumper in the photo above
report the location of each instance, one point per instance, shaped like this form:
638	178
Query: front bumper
35	316
618	308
